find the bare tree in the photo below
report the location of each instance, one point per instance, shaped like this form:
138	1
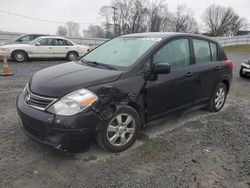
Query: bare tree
222	21
94	31
131	15
61	31
245	24
106	13
159	16
73	29
138	16
124	15
183	20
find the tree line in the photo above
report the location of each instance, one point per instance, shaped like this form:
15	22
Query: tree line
135	16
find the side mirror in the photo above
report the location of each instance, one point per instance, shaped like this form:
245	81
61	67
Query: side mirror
37	44
161	68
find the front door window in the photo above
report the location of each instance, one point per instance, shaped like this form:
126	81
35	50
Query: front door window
176	53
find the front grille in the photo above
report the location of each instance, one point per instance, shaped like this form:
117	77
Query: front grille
37	101
33	129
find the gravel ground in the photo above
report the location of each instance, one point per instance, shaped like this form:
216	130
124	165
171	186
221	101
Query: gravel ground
196	149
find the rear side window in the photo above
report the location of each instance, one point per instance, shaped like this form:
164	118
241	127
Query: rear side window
57	42
67	43
176	53
46	42
61	42
214	53
201	51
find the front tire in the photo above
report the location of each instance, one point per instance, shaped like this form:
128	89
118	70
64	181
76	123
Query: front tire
20	56
121	131
71	56
219	98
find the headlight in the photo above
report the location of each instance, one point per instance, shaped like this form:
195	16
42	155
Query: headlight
73	103
245	65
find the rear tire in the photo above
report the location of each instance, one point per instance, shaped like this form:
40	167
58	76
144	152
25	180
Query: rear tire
20	56
71	56
121	131
219	98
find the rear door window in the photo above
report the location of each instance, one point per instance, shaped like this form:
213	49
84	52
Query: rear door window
214	53
176	53
59	42
46	42
201	51
67	43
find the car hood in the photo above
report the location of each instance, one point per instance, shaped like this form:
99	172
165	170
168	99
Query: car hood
59	80
6	43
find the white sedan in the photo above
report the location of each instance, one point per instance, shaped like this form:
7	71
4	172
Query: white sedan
44	47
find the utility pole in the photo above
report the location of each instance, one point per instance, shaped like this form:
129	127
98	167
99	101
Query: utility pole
114	19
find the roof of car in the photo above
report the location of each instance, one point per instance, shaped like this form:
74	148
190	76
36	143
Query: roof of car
33	34
166	35
38	34
57	37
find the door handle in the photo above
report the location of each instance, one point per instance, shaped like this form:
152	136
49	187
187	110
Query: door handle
189	74
217	67
50	47
66	47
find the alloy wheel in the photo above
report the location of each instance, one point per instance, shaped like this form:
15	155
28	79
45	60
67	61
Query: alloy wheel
121	129
219	98
19	57
72	56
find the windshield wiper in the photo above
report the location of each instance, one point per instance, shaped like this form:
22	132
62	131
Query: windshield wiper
97	64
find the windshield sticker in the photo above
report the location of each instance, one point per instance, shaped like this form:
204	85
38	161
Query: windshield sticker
152	38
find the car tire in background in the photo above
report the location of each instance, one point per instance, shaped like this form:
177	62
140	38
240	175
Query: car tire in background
71	56
120	133
242	75
20	56
219	98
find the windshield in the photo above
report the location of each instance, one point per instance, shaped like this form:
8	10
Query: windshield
34	41
121	52
16	38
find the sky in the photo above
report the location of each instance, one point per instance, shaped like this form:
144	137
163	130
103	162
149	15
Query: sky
86	12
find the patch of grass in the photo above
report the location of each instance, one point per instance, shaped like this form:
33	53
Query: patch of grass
238	48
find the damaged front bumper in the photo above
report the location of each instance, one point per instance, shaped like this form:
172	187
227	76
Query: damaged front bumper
66	133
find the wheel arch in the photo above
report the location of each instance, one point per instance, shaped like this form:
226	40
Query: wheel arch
227	84
138	108
14	51
74	51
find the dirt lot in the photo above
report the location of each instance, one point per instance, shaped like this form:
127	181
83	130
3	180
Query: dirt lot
197	149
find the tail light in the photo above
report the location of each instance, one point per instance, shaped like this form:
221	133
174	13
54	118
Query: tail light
229	63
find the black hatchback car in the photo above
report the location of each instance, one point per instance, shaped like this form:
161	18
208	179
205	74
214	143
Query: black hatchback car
112	92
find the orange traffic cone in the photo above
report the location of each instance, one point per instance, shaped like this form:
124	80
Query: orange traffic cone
6	68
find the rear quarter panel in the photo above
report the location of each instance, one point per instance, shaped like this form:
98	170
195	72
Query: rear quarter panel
82	50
